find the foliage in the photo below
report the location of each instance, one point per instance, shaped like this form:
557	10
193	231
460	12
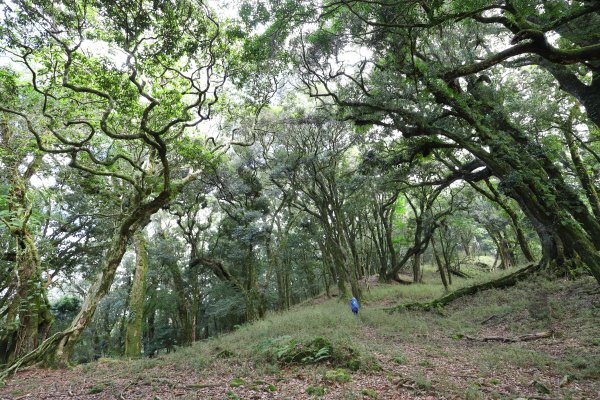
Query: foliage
64	308
288	154
337	375
316	390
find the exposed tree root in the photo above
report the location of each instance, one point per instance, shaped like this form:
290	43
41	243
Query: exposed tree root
522	338
35	356
505	281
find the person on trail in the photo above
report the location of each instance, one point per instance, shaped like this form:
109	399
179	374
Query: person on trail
354	305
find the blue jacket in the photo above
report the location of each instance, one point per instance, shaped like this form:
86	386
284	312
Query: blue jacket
354	305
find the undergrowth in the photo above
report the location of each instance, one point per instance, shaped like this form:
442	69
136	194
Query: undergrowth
328	337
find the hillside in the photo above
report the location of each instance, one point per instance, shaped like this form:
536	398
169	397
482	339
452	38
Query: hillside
320	350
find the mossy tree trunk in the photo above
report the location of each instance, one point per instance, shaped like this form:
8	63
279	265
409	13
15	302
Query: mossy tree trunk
381	228
504	282
493	195
185	305
417	269
441	267
60	351
503	250
137	299
527	175
26	313
151	313
426	223
28	316
583	176
448	250
379	242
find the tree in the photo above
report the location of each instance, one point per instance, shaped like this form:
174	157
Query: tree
124	118
314	172
137	297
24	306
425	80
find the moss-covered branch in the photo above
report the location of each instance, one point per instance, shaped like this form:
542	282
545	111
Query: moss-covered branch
505	281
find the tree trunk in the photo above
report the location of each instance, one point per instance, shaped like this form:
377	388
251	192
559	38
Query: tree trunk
447	251
25	310
282	287
184	303
255	302
58	352
502	249
496	197
440	265
27	318
417	270
466	245
389	230
137	297
151	318
528	175
582	173
496	258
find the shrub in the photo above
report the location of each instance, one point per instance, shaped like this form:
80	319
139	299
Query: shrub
315	390
287	350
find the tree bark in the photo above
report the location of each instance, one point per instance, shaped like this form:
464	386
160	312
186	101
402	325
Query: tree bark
59	351
137	297
530	177
26	316
185	335
416	267
496	197
582	173
440	265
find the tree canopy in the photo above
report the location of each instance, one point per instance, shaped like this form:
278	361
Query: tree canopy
171	171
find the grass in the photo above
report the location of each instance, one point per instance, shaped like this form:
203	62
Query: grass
334	349
516	309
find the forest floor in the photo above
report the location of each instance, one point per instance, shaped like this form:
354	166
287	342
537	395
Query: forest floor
406	355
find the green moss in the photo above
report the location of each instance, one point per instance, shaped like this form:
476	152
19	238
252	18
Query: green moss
423	382
473	393
337	375
99	388
315	390
400	360
237	382
270	387
224	354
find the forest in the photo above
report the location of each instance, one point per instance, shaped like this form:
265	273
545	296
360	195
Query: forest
179	175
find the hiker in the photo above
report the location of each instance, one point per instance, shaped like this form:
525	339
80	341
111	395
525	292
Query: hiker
354	305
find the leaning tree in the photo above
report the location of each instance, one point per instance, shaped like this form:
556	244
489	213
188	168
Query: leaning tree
25	316
121	87
458	77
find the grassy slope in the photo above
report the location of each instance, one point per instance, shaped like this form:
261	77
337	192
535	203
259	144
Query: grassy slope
405	355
